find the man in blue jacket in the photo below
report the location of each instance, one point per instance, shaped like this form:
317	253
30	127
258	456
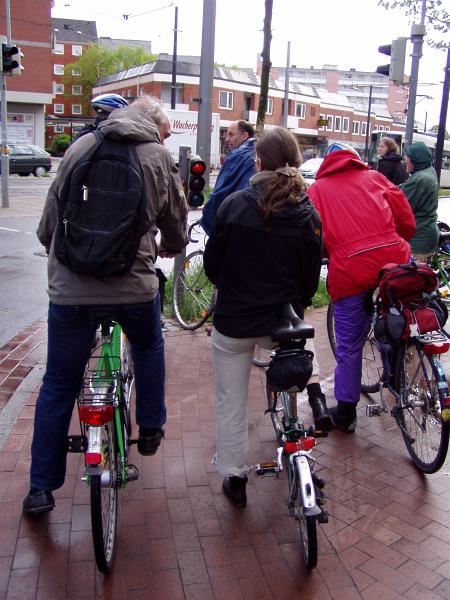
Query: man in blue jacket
237	169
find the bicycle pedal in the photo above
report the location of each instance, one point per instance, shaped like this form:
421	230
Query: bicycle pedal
323	517
77	443
267	469
132	473
374	410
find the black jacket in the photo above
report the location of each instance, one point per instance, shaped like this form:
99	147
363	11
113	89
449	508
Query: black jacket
393	167
257	271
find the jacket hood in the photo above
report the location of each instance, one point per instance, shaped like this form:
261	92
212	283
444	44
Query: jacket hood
132	124
420	155
340	160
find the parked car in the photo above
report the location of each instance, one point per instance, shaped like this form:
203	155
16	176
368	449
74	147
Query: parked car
28	158
309	169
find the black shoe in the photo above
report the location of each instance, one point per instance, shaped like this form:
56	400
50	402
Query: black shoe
321	415
342	420
234	490
149	440
37	502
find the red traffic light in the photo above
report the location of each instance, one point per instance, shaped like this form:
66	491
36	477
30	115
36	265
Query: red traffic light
198	167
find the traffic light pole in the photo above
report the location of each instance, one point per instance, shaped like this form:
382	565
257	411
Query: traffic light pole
442	120
417	34
183	171
4	163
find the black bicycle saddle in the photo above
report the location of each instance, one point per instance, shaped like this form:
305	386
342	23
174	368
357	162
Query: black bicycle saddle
290	326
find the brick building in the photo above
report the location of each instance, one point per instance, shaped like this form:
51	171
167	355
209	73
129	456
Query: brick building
28	94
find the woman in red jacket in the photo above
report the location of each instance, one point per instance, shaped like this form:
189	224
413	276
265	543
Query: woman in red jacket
366	223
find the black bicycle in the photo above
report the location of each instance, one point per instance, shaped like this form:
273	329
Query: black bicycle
411	371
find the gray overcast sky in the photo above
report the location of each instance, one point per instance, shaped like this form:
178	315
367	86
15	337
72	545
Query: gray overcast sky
345	33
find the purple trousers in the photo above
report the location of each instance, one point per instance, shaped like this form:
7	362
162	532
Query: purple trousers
351	323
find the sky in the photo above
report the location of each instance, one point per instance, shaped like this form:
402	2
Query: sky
345	33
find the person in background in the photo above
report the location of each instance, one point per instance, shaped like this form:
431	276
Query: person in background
421	189
103	106
264	250
366	223
390	161
237	169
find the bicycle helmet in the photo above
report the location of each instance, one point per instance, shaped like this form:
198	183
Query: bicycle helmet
340	146
108	102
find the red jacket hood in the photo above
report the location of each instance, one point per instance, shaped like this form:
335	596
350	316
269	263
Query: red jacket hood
340	160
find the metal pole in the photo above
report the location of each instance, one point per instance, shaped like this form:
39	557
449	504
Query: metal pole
417	34
442	120
206	84
173	95
4	160
366	147
286	86
183	171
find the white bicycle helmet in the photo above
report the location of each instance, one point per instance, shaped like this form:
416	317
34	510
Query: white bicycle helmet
340	146
108	102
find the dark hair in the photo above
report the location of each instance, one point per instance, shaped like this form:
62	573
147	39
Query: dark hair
277	148
245	127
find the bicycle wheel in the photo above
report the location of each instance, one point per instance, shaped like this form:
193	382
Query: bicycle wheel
104	502
262	357
420	381
127	379
282	407
371	364
307	527
193	293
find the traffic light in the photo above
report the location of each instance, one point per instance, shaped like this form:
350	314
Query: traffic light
12	59
397	51
196	183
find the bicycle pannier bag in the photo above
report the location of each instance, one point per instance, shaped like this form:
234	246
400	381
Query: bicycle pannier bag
290	370
102	210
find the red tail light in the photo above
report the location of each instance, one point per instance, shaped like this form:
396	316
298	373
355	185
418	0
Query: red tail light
93	458
305	443
96	414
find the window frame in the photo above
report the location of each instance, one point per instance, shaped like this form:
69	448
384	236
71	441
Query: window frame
330	125
59	91
58	128
229	96
74	112
74	93
338	119
78	46
345	124
269	108
56	111
356	127
57	48
57	68
363	127
76	72
302	107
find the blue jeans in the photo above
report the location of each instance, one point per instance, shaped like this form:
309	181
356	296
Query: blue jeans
351	324
70	337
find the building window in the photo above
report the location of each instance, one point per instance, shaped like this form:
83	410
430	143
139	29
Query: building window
345	124
363	127
58	128
77	50
330	123
58	109
300	110
58	69
387	128
76	90
322	118
59	88
337	123
58	48
76	72
226	100
356	125
76	109
269	110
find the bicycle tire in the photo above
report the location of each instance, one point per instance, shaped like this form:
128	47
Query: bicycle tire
104	503
307	527
127	381
371	364
193	294
421	383
282	406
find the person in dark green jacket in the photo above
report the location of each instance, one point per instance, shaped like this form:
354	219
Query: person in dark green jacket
421	189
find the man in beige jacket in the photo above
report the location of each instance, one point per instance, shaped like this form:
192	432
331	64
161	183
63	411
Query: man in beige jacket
131	298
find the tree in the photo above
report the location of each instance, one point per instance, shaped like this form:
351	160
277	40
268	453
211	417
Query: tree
435	129
436	16
265	67
97	62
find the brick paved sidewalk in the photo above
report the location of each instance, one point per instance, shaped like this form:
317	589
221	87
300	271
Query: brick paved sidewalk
388	535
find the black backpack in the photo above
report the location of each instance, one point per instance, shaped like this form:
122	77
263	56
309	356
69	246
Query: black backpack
102	210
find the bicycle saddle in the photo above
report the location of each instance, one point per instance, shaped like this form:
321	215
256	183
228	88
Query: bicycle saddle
290	326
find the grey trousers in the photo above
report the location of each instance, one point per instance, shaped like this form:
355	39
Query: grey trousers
232	362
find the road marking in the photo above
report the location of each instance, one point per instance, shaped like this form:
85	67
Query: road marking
7	229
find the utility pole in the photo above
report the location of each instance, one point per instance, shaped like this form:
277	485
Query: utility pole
366	147
442	120
4	112
206	84
417	34
173	95
286	86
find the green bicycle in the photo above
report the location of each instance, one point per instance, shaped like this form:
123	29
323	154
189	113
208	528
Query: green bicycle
104	413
